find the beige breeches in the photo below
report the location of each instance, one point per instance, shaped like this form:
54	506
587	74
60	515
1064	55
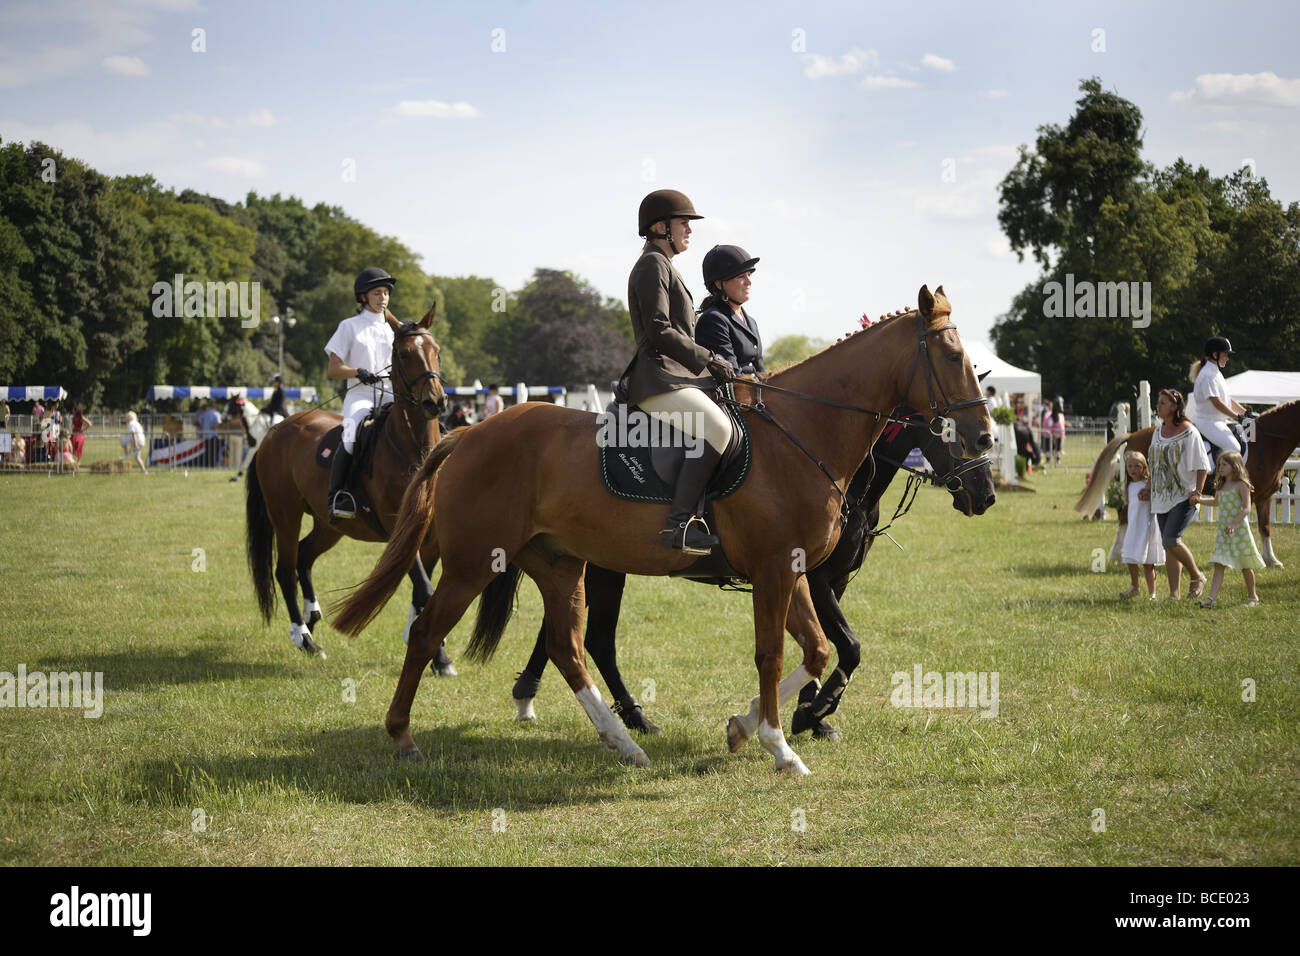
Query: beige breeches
695	413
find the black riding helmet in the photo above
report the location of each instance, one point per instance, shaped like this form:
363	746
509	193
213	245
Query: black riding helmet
725	262
1217	343
372	278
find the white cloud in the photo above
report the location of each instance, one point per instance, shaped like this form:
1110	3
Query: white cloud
815	66
124	66
431	109
261	117
1240	90
886	83
935	62
236	166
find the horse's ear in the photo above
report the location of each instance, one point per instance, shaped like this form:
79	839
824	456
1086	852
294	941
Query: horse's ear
924	300
939	291
427	321
392	319
983	375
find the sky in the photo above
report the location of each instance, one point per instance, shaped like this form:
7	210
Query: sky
856	148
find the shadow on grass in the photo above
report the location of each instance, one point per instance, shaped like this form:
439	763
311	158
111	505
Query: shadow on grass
464	767
148	666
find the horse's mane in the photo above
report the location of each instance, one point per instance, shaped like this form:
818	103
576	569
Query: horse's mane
852	336
1286	408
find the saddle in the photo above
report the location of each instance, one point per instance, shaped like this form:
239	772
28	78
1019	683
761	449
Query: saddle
639	459
363	460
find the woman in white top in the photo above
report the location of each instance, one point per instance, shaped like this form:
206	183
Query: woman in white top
1215	408
361	343
133	441
1178	467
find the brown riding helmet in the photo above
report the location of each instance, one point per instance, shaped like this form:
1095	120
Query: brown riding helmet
663	204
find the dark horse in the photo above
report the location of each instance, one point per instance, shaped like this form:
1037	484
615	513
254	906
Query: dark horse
969	482
285	482
522	489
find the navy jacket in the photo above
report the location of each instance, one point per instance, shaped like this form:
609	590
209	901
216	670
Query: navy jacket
724	334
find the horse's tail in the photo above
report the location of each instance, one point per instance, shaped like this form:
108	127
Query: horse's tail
494	610
414	523
261	537
1103	470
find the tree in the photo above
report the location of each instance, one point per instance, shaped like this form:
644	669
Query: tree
789	349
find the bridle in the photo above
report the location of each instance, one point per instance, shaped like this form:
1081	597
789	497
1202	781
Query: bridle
410	330
936	425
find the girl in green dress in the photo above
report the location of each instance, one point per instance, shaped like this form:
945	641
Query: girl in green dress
1234	547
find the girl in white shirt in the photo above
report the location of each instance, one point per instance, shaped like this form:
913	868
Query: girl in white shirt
1215	408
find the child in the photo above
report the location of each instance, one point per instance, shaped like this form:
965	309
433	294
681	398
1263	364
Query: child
1234	547
69	459
1142	540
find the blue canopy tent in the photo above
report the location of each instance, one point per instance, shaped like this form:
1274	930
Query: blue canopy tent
32	393
156	392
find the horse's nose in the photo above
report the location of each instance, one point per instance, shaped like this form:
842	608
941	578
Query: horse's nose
985	441
990	501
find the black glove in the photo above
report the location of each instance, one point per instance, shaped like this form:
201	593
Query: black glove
721	370
367	377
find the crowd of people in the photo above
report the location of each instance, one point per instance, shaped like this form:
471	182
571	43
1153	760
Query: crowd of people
1165	487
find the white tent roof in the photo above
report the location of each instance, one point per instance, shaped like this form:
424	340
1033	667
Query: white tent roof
1003	376
1264	388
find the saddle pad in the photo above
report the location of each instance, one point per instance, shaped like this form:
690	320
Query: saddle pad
363	459
639	473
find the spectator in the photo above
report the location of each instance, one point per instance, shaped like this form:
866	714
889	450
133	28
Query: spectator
1053	430
69	460
38	413
1142	539
80	423
493	404
133	441
207	423
18	452
993	399
1178	467
1234	546
4	411
52	428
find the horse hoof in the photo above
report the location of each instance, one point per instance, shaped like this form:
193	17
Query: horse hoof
444	670
311	647
824	731
736	735
794	767
639	758
412	755
525	714
634	718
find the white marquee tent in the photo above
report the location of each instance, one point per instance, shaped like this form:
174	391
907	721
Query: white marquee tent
1003	376
1264	388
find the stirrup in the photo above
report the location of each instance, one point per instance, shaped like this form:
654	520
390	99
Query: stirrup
338	509
675	538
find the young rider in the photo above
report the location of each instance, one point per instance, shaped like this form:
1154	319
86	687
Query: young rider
669	373
724	327
361	343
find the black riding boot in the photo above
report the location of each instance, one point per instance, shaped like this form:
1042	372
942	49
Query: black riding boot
683	531
341	504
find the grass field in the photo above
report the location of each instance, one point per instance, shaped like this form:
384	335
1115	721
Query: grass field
221	744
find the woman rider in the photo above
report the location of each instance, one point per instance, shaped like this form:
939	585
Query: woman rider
1215	408
362	342
724	327
670	371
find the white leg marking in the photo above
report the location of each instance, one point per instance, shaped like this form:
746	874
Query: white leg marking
792	684
612	732
1269	558
773	741
411	615
298	633
526	713
312	605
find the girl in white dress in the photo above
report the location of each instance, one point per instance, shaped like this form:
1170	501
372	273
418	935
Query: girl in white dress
1142	540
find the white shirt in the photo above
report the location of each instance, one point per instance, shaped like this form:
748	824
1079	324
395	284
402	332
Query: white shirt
364	340
1209	382
136	431
1174	463
493	405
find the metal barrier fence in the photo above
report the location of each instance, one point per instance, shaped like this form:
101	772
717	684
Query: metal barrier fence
172	440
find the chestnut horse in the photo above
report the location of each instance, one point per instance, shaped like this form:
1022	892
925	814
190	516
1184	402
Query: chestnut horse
1277	433
523	488
285	482
971	485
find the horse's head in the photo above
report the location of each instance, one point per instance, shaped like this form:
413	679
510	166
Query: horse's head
417	374
942	382
235	407
969	481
